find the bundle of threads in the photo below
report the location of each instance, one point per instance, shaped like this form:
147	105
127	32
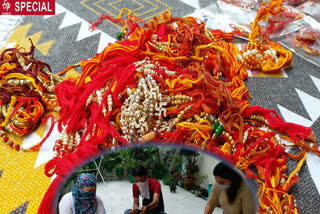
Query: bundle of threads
261	53
172	81
26	93
308	40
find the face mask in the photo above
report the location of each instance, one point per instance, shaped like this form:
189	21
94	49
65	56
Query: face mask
142	184
223	187
85	194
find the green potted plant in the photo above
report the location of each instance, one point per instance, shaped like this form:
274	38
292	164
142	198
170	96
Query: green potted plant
199	179
159	171
130	165
146	156
108	162
191	167
119	170
167	180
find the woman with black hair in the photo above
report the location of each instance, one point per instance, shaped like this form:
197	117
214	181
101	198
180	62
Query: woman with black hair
230	191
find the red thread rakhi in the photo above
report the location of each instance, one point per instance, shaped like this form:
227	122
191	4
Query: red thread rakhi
173	81
261	52
26	93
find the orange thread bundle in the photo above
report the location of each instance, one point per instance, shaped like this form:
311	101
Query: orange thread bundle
174	81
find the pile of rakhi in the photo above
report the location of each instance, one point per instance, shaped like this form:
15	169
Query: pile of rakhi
26	94
172	81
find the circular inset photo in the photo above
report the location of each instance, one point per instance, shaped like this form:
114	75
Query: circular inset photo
156	180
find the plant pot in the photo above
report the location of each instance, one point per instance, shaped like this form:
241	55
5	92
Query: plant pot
131	178
209	189
109	167
198	192
167	181
119	171
205	193
188	183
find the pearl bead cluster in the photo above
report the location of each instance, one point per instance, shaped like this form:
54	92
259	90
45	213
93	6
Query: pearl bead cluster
255	54
260	118
197	118
227	135
22	62
48	98
66	143
180	99
245	135
266	128
7	140
18	123
97	96
180	115
50	101
161	46
18	82
145	66
140	108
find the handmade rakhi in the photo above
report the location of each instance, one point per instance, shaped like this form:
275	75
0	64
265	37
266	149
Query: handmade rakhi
26	94
308	40
172	81
260	53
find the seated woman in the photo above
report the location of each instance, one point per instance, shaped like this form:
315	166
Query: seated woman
231	192
82	199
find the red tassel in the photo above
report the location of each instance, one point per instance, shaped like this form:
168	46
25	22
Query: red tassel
64	167
294	131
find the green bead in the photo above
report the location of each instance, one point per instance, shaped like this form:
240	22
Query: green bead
215	125
119	35
219	130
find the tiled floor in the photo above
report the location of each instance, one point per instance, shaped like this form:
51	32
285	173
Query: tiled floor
117	197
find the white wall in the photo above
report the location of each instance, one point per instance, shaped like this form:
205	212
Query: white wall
206	165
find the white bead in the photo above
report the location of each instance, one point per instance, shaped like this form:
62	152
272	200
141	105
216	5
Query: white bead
254	51
268	52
